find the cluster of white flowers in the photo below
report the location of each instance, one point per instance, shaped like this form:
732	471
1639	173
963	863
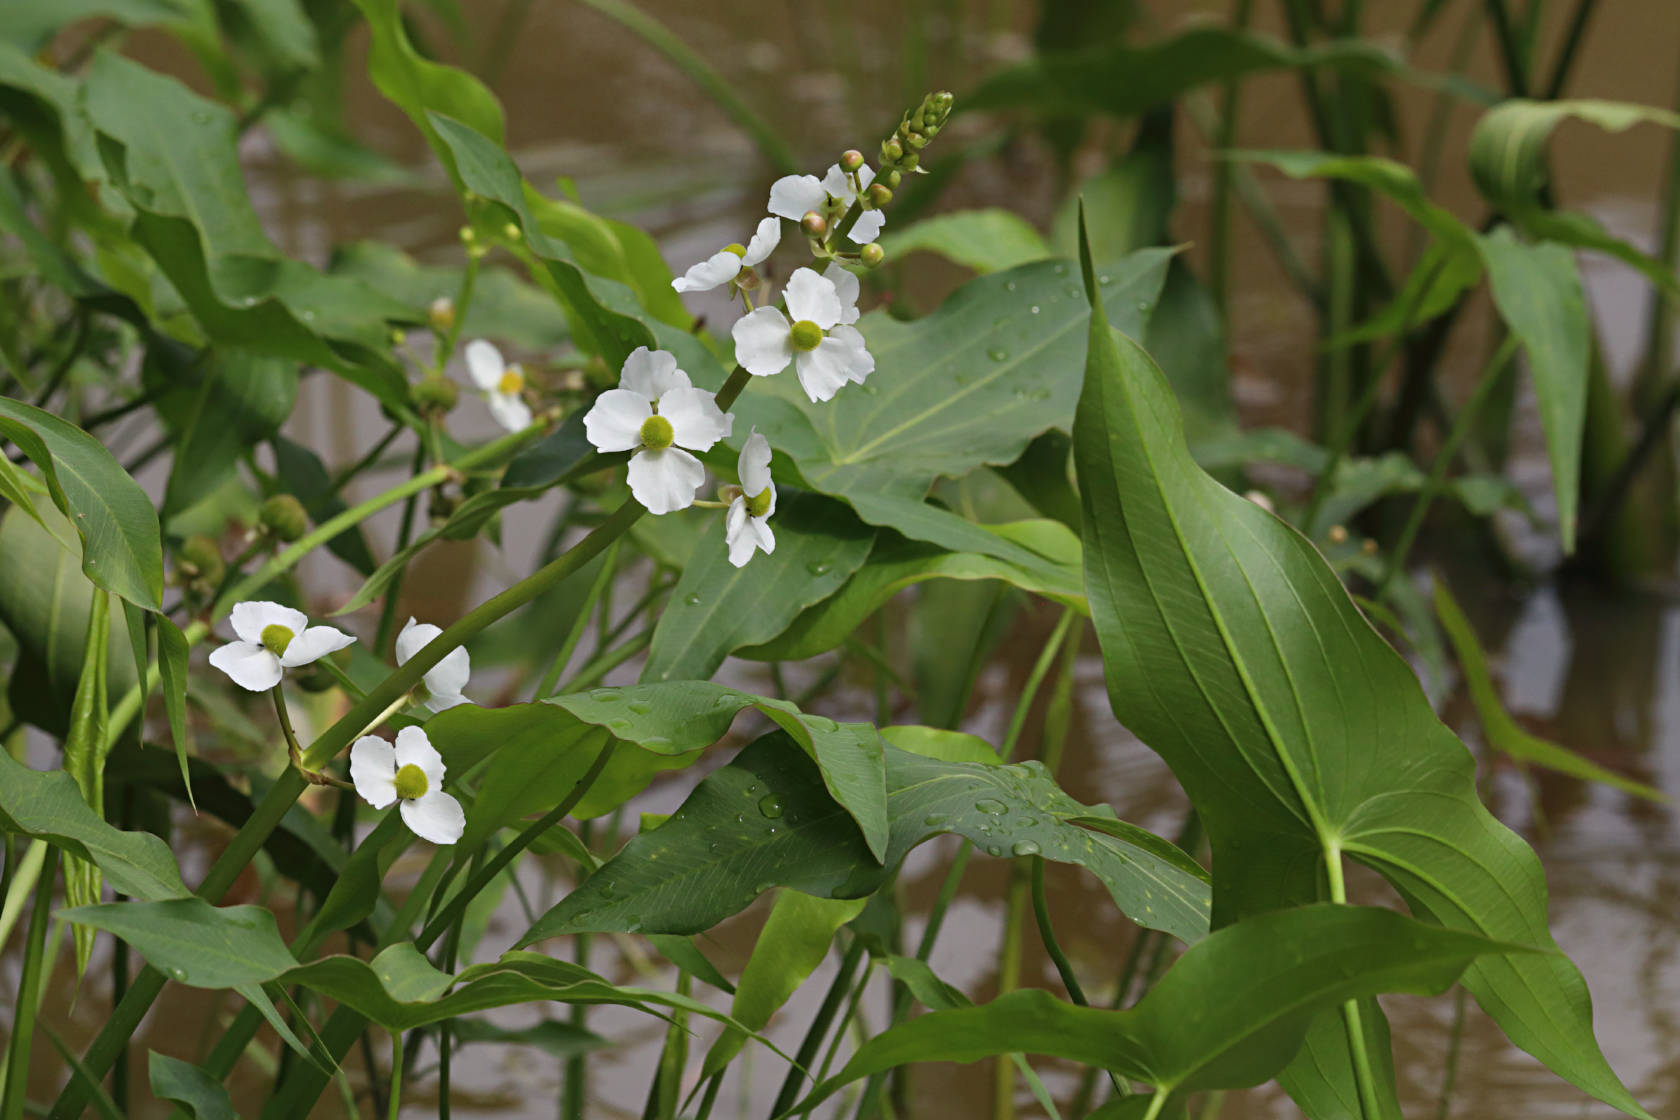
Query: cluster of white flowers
658	415
273	638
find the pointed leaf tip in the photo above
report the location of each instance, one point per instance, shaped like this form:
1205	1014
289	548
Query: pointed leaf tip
1085	269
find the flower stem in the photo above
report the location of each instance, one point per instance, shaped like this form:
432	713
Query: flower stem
1362	1074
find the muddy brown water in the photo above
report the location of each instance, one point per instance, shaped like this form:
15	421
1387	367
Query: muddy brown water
587	101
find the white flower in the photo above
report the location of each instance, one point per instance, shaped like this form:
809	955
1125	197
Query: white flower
410	773
724	266
444	681
826	350
501	383
273	638
747	524
656	412
793	196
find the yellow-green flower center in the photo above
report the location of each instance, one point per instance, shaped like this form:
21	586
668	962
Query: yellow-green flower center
657	433
275	638
806	335
737	248
512	381
759	504
411	782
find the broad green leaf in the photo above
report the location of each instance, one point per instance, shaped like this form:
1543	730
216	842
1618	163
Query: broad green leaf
765	820
562	1040
613	250
48	805
1077	82
793	942
241	401
1231	649
1503	732
717	608
193	942
1537	289
542	749
174	157
984	240
122	550
31	25
1230	1013
418	86
185	1084
969	385
896	563
1508	164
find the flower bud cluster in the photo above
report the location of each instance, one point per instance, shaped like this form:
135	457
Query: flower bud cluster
901	152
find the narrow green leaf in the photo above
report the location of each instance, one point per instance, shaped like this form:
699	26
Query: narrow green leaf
1537	288
1231	649
1254	987
561	1040
85	749
172	672
122	549
793	942
185	1084
1503	732
765	820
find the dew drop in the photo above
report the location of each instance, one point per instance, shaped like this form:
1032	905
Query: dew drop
1025	848
933	820
1061	270
818	567
603	695
1103	279
1033	309
1143	305
991	807
692	598
752	788
994	849
621	727
821	723
640	707
998	354
1009	286
178	972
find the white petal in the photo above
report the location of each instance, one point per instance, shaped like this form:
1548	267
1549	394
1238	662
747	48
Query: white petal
847	288
250	665
764	241
823	371
760	527
443	701
860	363
868	226
252	618
665	481
811	295
415	749
696	420
866	176
736	535
719	268
652	373
484	364
615	422
836	185
314	644
792	196
509	410
437	817
373	770
763	344
413	638
754	463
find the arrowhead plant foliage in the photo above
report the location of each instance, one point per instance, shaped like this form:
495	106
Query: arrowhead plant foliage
783	484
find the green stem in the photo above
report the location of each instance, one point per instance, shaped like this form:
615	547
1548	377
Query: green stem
550	679
1462	427
1219	235
1047	934
1362	1075
1510	51
29	992
812	1042
1455	1043
405	534
396	1075
1156	1102
1570	49
600	666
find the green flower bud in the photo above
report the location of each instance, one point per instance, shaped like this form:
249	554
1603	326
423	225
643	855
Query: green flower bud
879	195
200	558
814	224
891	151
872	255
916	141
851	159
282	517
511	232
436	395
892	178
441	314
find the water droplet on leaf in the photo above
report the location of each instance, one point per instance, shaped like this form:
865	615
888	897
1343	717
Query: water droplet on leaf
1025	848
991	806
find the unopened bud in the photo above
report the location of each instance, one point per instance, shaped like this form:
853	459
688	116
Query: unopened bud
910	161
468	235
1368	546
747	280
851	159
891	151
200	559
1338	534
814	224
511	232
436	395
891	178
441	314
916	140
283	518
872	255
879	195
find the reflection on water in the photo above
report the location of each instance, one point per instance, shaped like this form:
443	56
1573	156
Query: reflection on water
586	101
